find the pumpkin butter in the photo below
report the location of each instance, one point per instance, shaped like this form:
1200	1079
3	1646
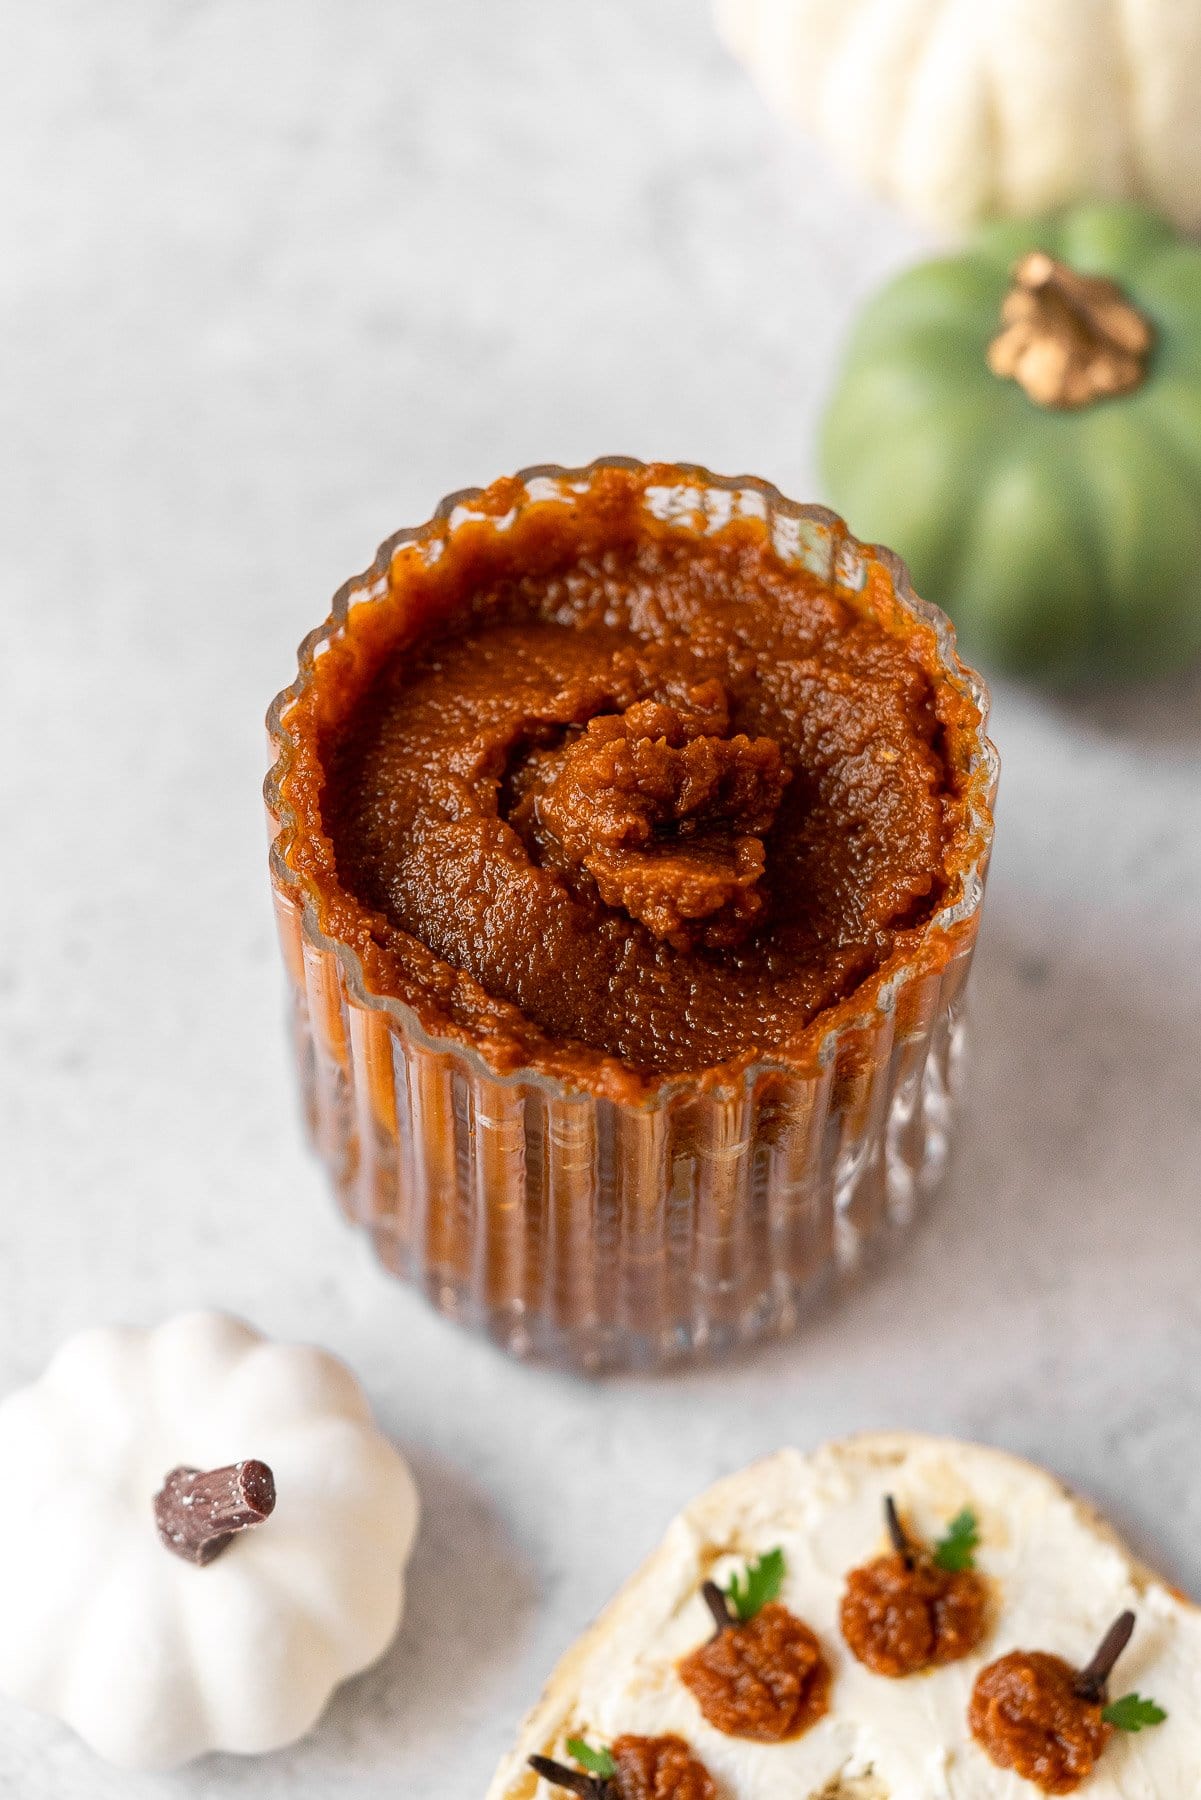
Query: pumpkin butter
1027	1712
765	1679
619	800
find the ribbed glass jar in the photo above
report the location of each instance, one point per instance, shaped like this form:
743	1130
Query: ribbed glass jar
599	1232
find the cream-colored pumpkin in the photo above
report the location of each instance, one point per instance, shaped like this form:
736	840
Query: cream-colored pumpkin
962	109
150	1658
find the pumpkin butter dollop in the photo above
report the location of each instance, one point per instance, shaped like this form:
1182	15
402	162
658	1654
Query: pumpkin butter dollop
633	801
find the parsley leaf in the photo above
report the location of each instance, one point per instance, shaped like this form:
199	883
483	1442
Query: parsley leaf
750	1593
956	1549
1132	1712
597	1762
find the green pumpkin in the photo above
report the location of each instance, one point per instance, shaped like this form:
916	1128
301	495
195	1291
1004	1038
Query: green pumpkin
1063	543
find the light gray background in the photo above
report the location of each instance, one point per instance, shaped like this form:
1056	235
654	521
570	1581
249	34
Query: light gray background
273	278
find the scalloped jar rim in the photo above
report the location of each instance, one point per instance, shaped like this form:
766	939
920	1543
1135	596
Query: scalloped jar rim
845	553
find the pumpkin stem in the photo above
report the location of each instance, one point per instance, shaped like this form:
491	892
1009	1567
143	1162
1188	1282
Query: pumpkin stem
198	1514
897	1532
1090	1682
589	1787
718	1605
1069	339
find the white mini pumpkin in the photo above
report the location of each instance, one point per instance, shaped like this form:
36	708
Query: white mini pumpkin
961	109
149	1657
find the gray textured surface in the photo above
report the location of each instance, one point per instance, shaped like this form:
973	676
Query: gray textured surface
275	277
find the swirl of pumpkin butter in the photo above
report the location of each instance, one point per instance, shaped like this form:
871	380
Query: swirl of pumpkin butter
666	811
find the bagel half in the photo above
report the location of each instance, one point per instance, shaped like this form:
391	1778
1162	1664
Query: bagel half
1058	1577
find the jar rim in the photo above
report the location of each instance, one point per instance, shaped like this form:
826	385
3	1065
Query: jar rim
810	535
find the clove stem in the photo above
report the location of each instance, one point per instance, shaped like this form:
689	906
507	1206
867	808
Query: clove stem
1091	1681
718	1605
592	1787
896	1531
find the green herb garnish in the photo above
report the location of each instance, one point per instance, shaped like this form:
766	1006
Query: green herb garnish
956	1549
1132	1712
597	1762
750	1592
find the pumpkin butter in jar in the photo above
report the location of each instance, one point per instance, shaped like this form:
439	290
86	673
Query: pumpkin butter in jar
650	797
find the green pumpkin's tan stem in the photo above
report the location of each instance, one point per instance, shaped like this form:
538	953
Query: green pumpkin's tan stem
1069	340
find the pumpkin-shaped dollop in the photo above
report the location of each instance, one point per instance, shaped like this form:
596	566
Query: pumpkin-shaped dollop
1022	422
150	1657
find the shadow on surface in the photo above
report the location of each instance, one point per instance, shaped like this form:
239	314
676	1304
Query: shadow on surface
471	1594
1028	1306
1151	715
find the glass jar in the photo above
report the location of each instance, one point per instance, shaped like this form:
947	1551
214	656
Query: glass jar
708	1211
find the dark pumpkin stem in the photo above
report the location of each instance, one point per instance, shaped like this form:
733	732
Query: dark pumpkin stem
718	1605
199	1514
576	1781
896	1531
1090	1683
